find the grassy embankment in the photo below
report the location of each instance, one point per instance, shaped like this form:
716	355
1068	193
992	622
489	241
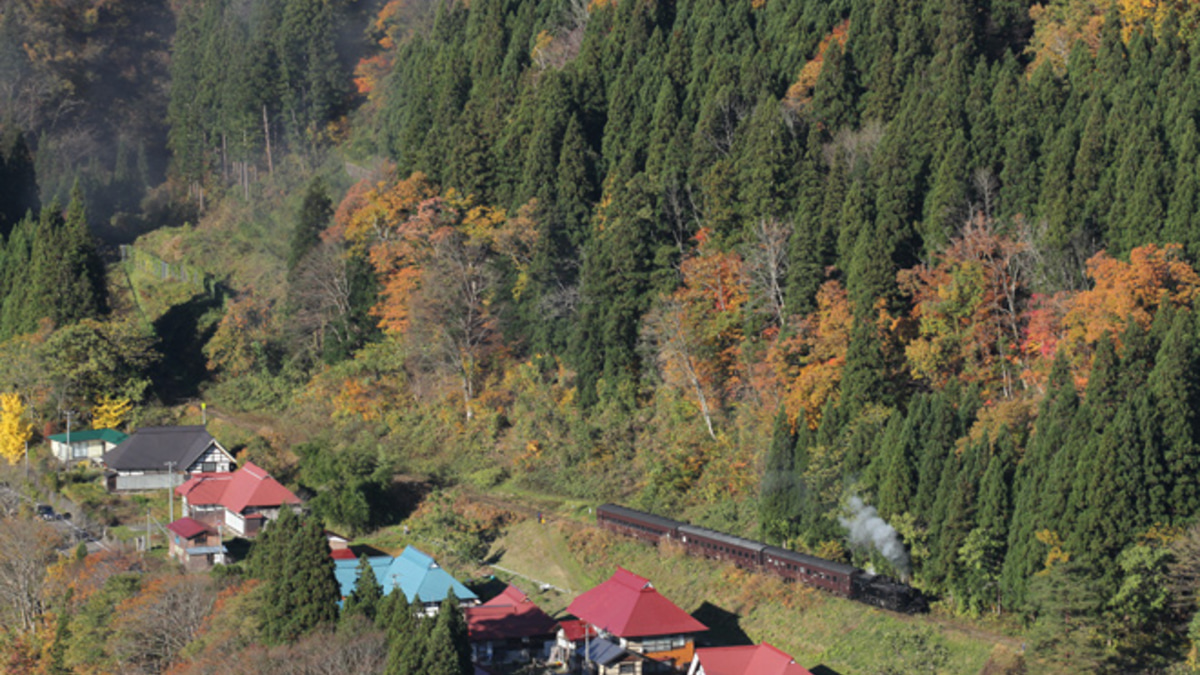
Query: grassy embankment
845	637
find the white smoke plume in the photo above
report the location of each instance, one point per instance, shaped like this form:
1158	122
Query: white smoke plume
868	529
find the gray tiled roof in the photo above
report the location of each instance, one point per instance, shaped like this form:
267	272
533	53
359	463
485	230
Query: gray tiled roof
150	448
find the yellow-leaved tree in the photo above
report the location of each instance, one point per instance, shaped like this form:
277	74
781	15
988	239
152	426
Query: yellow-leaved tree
15	427
111	412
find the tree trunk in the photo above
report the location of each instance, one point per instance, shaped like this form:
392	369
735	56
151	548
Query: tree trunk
267	135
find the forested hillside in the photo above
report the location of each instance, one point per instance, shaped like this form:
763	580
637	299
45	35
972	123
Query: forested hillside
745	261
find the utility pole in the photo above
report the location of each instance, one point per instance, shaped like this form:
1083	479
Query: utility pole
70	415
171	490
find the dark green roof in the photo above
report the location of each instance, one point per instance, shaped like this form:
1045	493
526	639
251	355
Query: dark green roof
108	435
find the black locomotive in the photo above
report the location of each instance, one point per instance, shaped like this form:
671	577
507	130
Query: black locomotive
837	578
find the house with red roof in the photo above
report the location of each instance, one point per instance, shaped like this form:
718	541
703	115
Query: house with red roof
763	659
509	628
240	502
195	544
637	629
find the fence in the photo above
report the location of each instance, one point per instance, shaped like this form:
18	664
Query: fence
135	258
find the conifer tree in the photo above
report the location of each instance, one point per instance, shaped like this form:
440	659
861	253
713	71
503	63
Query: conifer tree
300	591
1185	196
779	496
315	212
937	426
983	551
1054	428
836	92
1108	491
18	180
810	250
896	476
449	646
367	596
78	281
946	201
1172	384
409	636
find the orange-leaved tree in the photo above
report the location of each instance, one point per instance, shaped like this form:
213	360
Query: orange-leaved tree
435	257
1130	291
968	309
697	329
814	359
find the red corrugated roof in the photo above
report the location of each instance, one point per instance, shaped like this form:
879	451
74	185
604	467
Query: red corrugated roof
187	527
508	615
252	486
205	488
343	554
763	659
511	595
573	629
248	486
628	606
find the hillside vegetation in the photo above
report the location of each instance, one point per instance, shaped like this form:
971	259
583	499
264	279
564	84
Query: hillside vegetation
760	264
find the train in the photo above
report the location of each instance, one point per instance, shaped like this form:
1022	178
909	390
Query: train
840	579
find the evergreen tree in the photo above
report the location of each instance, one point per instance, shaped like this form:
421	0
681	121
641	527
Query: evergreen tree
315	212
310	80
409	636
780	494
1030	515
449	646
895	457
936	428
946	201
983	551
18	180
78	284
367	596
810	248
1172	384
300	591
836	92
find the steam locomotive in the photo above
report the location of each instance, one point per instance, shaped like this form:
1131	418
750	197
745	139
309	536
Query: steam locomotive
840	579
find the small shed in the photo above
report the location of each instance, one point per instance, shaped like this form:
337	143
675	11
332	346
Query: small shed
89	444
194	544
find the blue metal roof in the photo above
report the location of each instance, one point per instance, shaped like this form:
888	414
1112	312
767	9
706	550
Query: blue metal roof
413	571
419	576
346	572
601	651
206	550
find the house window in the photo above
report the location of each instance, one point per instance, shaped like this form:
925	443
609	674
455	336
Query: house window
628	668
208	467
657	645
79	451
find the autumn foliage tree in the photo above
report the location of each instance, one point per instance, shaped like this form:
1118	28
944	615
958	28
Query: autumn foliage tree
110	412
697	331
968	310
15	427
812	361
437	257
1154	277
